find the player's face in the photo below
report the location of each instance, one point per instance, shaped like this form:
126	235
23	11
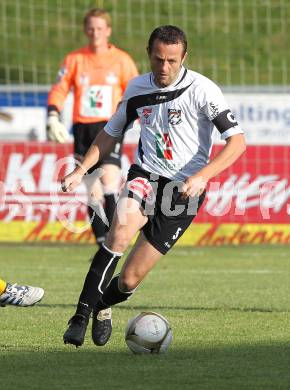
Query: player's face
166	61
97	32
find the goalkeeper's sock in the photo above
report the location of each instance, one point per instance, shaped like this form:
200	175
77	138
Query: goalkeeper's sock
113	295
110	205
3	286
98	277
98	226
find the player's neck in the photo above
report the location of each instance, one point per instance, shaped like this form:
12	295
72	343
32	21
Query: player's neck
100	49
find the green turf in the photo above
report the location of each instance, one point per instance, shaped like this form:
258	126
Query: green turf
229	309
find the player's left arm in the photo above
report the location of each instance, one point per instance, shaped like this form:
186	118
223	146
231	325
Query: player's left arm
216	109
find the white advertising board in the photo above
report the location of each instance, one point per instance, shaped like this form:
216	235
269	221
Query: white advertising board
264	117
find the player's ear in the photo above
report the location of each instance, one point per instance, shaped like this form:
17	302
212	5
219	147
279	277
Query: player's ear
109	32
184	58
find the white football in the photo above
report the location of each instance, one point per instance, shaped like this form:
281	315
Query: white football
148	332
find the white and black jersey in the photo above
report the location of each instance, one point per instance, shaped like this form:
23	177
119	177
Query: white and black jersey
176	122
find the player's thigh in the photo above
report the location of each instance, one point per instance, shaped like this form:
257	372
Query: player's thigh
127	221
110	178
94	187
141	259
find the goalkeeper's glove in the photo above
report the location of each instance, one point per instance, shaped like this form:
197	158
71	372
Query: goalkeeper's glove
56	131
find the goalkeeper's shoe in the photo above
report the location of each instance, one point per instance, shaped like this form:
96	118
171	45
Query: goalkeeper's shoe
76	331
102	326
21	295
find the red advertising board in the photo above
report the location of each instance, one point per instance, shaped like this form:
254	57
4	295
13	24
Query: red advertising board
255	190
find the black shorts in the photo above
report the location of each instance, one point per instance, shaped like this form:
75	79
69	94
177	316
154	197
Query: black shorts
169	215
84	135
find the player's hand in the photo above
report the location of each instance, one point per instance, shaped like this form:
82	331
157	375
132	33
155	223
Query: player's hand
193	185
70	182
56	131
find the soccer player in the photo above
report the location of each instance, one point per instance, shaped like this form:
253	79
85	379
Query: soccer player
13	294
98	75
178	109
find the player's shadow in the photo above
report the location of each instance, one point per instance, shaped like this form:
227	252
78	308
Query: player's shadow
176	308
259	366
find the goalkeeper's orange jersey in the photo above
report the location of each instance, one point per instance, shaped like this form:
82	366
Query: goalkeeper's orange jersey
98	82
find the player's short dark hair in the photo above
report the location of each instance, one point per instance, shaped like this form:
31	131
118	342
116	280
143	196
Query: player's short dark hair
169	35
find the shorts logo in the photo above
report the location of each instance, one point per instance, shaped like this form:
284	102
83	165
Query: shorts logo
175	236
174	116
163	146
142	188
146	112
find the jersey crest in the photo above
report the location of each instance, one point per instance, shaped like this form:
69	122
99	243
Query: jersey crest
174	116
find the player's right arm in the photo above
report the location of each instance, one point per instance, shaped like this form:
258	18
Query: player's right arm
103	144
56	131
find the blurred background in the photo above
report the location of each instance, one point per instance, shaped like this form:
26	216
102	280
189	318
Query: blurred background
235	42
243	45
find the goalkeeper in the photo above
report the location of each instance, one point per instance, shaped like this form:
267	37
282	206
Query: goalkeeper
98	75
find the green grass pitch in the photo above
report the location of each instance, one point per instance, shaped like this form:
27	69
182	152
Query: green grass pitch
229	309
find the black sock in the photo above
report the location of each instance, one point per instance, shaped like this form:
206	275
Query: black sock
112	295
98	226
110	204
98	277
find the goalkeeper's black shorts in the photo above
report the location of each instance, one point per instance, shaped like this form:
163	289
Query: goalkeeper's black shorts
84	135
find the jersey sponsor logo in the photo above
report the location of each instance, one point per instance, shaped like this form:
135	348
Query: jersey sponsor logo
174	116
96	98
146	112
142	188
163	146
96	101
160	97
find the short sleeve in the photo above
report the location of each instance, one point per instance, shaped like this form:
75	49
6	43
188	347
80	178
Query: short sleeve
218	112
116	126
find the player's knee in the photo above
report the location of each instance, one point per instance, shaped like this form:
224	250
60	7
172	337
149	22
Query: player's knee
96	196
128	282
117	239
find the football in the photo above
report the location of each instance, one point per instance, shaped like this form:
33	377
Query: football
148	332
